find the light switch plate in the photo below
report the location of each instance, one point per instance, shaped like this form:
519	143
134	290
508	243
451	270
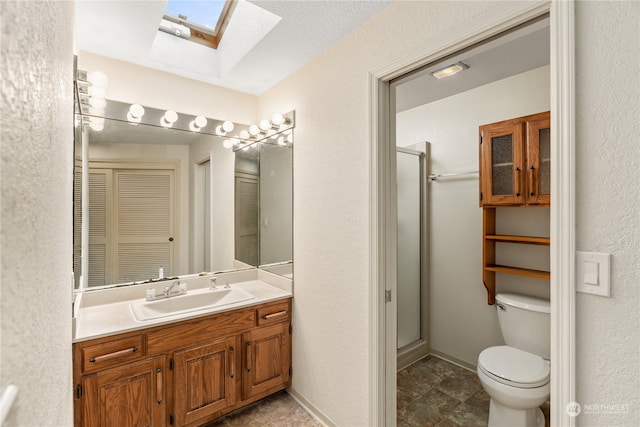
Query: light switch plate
593	273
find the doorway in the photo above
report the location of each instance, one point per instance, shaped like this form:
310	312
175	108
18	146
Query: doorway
383	214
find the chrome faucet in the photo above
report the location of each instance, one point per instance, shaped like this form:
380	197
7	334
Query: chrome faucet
167	289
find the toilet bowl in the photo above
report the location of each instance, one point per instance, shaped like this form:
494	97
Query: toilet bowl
517	382
516	375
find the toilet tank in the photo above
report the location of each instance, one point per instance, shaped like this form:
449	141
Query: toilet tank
525	323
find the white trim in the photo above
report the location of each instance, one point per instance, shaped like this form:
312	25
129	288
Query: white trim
563	301
382	410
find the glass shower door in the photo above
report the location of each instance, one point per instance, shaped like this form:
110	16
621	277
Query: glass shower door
410	183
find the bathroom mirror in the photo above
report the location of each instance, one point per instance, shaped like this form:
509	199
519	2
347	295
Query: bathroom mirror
168	201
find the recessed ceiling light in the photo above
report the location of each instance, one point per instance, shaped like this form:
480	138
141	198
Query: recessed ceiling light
449	70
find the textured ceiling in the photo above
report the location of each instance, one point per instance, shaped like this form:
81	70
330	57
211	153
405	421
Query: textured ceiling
282	36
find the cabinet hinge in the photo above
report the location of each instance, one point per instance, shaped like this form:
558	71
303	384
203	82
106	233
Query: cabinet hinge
171	364
290	329
481	196
387	295
290	370
481	139
78	391
171	420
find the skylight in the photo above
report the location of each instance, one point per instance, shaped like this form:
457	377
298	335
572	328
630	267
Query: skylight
206	20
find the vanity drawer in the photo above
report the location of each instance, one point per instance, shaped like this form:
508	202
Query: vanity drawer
274	313
112	353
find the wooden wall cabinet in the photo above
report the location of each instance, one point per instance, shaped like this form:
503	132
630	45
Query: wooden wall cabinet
515	162
515	170
184	374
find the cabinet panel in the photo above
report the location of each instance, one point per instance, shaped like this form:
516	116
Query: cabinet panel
267	359
502	162
112	353
205	379
539	161
131	395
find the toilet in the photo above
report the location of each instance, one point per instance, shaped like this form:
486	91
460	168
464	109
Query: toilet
516	375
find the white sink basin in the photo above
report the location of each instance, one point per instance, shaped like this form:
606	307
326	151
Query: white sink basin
198	300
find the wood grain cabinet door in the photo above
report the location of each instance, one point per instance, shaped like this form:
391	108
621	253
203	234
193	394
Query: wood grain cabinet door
502	163
205	378
267	359
539	161
131	395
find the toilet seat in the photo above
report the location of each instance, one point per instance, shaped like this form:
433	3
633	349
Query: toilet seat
514	367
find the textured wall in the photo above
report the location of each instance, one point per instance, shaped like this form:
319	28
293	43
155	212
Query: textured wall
331	200
608	209
36	181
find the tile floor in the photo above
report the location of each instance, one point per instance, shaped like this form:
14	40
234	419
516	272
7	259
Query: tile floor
434	392
431	392
278	410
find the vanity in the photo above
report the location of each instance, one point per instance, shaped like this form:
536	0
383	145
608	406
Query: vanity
182	369
160	196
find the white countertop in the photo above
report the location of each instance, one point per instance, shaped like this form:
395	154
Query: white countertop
94	320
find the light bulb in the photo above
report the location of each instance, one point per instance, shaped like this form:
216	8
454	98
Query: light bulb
227	143
136	111
169	118
244	134
290	138
265	124
254	130
281	141
198	123
96	123
277	119
228	126
97	78
97	92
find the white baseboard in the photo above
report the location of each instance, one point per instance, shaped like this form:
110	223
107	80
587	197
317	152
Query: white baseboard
316	413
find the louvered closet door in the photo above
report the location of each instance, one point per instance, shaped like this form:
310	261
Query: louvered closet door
143	224
100	194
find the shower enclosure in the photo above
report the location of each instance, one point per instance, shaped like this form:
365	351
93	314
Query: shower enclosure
413	330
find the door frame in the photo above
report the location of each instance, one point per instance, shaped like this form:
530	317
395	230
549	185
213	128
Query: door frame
382	211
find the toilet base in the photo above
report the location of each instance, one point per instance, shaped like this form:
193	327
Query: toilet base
502	416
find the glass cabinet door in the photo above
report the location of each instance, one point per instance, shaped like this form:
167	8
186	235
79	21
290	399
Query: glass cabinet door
539	161
501	181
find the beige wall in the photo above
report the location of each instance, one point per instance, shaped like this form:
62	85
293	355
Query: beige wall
36	198
136	84
608	208
331	240
331	204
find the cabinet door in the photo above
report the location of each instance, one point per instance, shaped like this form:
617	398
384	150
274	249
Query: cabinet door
502	162
539	161
267	359
131	395
205	379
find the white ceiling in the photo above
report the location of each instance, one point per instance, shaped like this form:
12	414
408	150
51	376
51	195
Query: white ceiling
264	42
518	51
286	34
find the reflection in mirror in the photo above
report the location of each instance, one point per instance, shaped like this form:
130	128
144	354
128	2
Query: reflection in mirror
166	202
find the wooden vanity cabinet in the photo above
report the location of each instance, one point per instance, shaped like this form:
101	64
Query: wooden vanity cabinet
187	373
515	162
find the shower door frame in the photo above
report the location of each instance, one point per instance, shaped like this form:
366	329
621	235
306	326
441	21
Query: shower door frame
416	350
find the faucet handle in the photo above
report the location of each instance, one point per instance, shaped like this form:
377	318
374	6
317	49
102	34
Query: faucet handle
212	283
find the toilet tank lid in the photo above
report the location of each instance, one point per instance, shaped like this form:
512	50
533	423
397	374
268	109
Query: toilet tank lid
525	302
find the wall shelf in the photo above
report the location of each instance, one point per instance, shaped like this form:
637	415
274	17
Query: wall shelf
539	274
489	266
519	239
